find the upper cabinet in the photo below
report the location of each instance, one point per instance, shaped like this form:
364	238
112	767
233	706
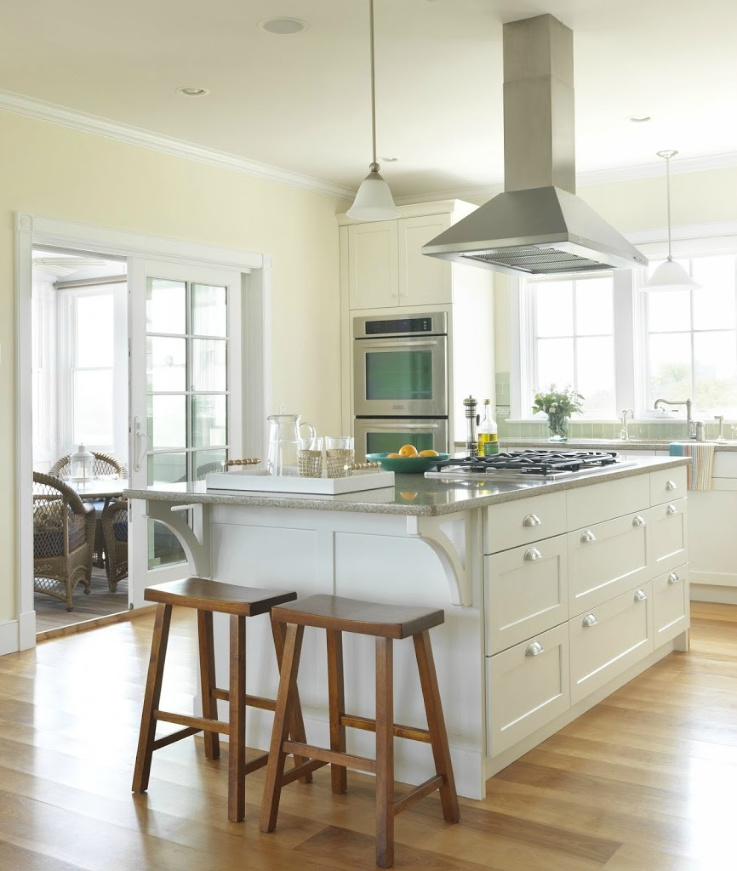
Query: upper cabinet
383	263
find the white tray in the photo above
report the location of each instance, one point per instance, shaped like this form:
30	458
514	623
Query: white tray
261	480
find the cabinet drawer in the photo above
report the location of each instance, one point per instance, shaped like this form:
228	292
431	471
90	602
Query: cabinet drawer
599	502
667	535
524	521
609	639
528	685
667	484
670	605
606	559
527	592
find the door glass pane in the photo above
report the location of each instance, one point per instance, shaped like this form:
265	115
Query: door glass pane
399	374
167	422
208	364
167	468
208	461
670	365
94	346
554	305
93	407
208	310
555	363
166	310
208	421
715	373
166	364
163	546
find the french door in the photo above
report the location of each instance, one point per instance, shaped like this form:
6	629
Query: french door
185	398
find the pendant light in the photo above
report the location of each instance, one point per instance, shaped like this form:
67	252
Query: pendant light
374	200
669	275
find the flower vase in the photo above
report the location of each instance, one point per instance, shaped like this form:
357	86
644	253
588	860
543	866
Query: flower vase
558	426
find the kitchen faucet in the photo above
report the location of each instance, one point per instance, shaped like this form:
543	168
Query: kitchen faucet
624	433
687	403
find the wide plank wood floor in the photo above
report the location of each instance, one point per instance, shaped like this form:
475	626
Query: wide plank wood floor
643	782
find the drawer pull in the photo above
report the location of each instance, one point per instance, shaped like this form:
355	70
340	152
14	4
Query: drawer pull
589	620
671	509
534	649
588	536
671	485
640	596
673	578
532	554
531	520
638	520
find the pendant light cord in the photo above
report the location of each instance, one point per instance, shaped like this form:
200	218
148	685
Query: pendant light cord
666	155
374	164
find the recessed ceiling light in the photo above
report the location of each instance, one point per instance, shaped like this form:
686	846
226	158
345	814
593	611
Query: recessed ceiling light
193	92
639	119
283	26
389	159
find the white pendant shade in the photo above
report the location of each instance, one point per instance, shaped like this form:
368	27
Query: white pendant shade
670	276
374	201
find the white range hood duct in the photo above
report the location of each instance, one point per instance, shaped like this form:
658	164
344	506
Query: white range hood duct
538	225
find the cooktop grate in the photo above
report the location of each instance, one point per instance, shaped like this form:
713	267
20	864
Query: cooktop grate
529	462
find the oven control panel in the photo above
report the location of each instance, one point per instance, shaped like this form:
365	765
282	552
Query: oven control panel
433	323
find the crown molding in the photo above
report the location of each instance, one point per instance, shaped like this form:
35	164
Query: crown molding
42	111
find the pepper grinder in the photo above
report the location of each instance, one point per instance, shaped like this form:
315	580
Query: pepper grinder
472	446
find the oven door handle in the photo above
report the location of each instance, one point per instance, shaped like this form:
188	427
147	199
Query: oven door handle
379	344
405	426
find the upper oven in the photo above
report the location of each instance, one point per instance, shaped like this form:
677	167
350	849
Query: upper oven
400	366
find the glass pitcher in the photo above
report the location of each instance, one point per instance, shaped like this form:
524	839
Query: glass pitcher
284	435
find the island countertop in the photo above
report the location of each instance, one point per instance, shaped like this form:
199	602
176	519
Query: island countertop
411	494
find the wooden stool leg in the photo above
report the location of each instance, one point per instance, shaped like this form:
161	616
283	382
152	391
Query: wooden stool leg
277	756
151	698
207	680
436	726
384	753
237	720
296	721
336	696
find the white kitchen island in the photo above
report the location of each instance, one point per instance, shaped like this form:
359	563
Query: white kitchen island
555	594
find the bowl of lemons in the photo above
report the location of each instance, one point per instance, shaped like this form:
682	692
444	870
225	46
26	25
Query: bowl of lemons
407	460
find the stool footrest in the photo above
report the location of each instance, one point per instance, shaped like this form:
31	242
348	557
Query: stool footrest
333	756
251	701
419	792
199	724
256	763
367	724
173	737
304	770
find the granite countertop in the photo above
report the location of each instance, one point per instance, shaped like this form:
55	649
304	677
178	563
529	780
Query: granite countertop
514	442
412	495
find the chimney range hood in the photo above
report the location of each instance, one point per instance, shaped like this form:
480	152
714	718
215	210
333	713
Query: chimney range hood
538	226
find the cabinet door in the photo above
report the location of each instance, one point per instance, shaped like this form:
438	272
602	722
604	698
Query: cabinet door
606	559
527	686
712	543
609	639
670	605
527	592
373	265
667	535
423	280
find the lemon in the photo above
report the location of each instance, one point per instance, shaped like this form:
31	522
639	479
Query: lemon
408	451
429	453
393	456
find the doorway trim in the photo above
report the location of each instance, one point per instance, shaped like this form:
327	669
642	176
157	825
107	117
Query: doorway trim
31	230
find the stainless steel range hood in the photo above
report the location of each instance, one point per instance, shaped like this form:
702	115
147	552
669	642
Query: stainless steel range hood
538	225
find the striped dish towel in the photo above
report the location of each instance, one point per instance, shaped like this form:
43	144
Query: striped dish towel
698	474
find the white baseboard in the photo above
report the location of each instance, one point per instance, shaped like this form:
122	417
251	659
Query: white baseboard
18	634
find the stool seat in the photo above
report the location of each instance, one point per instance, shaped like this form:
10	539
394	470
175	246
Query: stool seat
364	618
206	595
239	602
387	623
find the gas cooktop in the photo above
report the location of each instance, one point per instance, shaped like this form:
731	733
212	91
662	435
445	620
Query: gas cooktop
543	465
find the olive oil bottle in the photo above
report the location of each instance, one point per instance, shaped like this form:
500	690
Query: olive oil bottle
488	440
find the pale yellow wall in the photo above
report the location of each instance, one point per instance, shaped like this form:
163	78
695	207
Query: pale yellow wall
55	172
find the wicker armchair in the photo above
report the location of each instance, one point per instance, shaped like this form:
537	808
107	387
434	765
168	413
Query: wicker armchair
114	525
104	464
63	537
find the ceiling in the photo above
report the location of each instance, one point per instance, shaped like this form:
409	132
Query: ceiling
301	103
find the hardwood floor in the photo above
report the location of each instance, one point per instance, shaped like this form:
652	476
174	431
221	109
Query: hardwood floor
52	615
643	782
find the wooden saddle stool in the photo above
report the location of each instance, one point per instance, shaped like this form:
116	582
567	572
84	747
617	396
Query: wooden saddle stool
207	597
386	622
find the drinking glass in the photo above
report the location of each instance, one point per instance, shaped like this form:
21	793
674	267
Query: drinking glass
309	457
338	456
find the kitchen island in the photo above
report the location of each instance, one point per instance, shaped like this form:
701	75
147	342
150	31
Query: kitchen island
555	593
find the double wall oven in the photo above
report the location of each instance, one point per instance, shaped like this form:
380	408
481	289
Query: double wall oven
400	381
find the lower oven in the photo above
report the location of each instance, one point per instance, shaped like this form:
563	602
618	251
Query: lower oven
386	435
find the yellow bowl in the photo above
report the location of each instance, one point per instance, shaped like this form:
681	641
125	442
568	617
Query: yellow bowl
404	465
